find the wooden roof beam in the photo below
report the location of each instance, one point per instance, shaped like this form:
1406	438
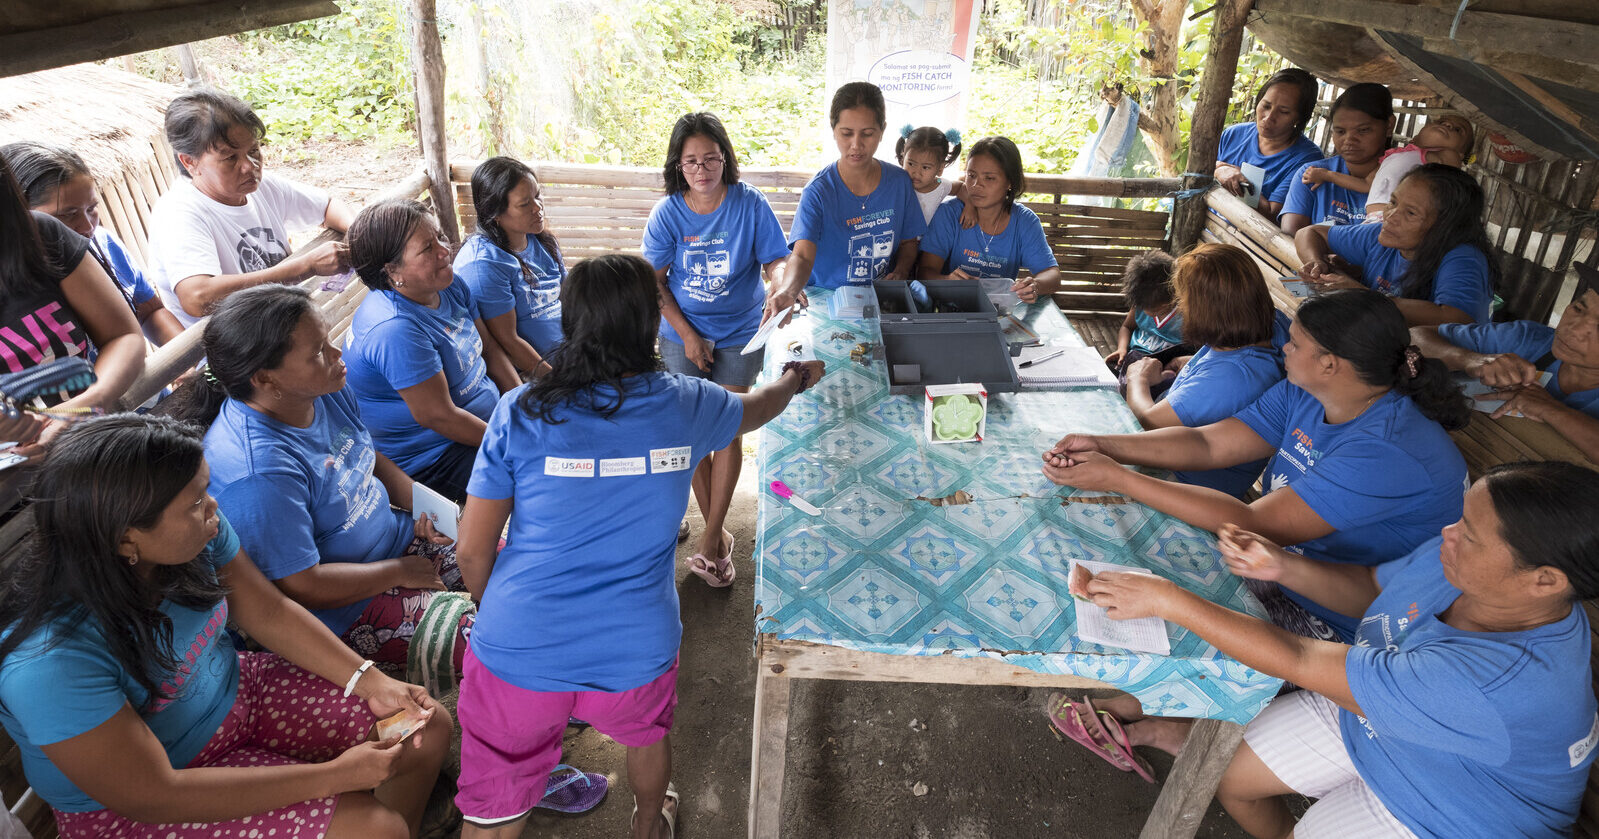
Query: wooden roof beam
130	32
1486	30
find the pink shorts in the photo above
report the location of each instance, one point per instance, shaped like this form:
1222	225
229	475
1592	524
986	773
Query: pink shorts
511	736
281	716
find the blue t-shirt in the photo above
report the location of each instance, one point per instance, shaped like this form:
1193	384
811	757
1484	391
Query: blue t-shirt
495	278
301	496
1155	336
582	596
1468	734
856	238
1528	339
1386	481
1240	144
62	682
1215	385
128	276
394	344
1328	203
1020	245
713	262
1462	280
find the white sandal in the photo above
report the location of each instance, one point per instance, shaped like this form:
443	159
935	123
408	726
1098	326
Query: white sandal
669	814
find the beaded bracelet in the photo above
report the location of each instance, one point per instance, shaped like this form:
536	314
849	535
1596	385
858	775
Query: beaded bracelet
804	373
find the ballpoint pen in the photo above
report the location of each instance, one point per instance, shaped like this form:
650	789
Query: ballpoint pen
1047	356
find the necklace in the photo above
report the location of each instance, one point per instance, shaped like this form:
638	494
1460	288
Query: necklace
988	240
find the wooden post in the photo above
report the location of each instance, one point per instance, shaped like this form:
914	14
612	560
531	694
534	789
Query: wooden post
1215	91
427	73
190	64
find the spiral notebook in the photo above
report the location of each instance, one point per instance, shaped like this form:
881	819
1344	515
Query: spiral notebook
1073	367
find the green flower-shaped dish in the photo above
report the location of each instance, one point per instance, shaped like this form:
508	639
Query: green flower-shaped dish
956	417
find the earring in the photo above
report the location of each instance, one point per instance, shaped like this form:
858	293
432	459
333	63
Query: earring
134	560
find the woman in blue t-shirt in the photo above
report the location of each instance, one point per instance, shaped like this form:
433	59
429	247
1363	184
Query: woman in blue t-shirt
294	469
1465	707
1275	141
1226	310
1362	119
134	714
1361	468
711	240
418	365
1007	236
580	616
1430	253
858	220
512	264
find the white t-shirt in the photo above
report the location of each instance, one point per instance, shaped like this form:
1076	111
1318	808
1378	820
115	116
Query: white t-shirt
1393	169
192	235
932	198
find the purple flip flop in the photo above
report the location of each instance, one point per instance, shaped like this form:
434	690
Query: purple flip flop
573	792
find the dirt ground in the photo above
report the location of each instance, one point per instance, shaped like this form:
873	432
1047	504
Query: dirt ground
856	750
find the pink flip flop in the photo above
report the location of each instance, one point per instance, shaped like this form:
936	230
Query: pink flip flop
1082	723
719	574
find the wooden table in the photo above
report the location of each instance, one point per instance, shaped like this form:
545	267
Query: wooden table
887	586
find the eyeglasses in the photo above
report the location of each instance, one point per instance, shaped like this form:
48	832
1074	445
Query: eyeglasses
709	164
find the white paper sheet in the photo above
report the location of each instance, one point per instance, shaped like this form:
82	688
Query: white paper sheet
444	512
765	332
1140	634
1080	366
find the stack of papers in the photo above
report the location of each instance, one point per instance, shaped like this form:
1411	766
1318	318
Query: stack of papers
1063	366
1487	399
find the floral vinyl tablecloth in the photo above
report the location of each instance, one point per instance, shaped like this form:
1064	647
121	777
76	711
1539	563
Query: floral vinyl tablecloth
964	549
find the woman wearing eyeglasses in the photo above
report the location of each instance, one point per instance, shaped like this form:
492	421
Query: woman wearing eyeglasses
710	240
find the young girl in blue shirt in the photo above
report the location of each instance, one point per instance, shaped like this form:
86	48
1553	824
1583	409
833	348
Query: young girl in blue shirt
134	714
1464	707
1361	468
578	614
711	240
512	264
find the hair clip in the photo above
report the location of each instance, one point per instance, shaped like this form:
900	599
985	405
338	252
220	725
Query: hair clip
905	133
953	135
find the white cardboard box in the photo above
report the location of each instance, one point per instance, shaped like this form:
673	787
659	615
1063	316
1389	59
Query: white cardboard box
938	396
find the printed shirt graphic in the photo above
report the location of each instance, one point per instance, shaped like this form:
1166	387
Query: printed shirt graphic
36	324
192	235
856	238
1240	144
498	285
1155	335
51	691
303	496
1462	280
1468	734
394	344
1529	340
1328	203
713	261
1386	481
1020	245
582	596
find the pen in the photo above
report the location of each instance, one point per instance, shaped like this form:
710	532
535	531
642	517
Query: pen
1030	362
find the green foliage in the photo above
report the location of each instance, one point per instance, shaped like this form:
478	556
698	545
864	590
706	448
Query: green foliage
345	76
